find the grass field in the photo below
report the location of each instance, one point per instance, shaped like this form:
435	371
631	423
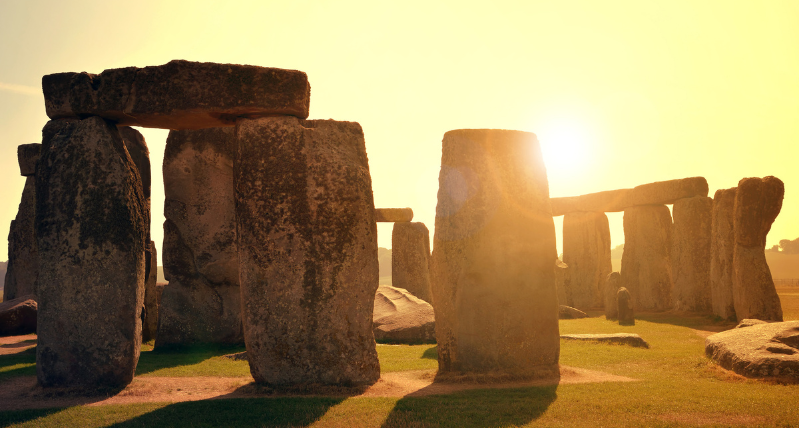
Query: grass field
676	386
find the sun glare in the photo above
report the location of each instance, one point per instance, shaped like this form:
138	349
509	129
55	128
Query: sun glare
565	145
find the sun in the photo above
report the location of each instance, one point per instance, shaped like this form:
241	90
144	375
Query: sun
565	145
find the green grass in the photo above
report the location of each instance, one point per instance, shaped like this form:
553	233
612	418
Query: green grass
677	385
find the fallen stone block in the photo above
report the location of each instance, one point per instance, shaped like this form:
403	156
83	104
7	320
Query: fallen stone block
18	316
393	215
569	313
766	350
400	317
178	95
630	339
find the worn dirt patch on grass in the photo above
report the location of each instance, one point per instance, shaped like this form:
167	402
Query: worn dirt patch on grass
16	344
23	393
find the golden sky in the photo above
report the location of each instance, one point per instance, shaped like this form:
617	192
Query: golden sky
620	93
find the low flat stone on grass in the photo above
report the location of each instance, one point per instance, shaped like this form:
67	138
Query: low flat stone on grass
630	339
765	350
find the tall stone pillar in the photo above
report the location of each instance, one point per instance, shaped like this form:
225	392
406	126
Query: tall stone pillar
722	246
757	204
586	249
690	254
23	257
496	305
202	302
90	231
645	264
410	259
307	251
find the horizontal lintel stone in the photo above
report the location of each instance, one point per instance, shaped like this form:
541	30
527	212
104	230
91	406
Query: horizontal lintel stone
393	215
178	95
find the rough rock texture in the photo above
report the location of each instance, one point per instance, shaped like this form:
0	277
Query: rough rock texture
624	302
307	251
401	317
91	236
23	257
750	322
149	318
645	264
658	193
202	302
494	289
760	350
722	245
690	254
569	313
630	339
396	215
757	204
178	95
563	283
18	316
410	259
27	156
586	249
609	291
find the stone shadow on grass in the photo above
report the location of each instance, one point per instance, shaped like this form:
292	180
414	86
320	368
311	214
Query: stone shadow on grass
163	358
431	353
496	407
25	360
22	416
239	412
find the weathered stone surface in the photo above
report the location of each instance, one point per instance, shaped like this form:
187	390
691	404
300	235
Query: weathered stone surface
22	272
140	154
569	313
630	339
624	302
750	322
307	251
91	237
178	95
586	249
202	302
410	259
645	264
393	215
658	193
759	351
690	254
401	317
28	155
610	291
149	318
722	245
494	291
757	204
18	316
563	283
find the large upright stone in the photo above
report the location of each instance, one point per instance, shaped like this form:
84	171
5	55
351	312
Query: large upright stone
23	257
307	251
149	318
178	95
757	204
586	249
494	289
690	254
201	303
91	236
563	283
645	264
657	193
610	291
410	259
722	246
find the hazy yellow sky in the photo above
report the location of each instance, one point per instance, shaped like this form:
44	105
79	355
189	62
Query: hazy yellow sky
620	93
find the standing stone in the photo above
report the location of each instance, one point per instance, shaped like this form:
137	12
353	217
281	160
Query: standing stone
410	259
722	245
690	254
611	290
563	283
757	204
91	236
23	257
496	304
202	302
586	249
625	305
149	319
645	264
307	251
